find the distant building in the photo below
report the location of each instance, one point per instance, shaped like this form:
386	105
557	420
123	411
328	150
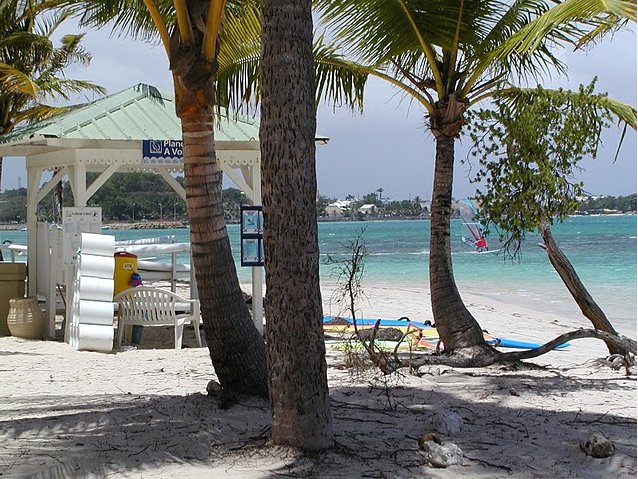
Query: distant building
338	209
368	209
334	210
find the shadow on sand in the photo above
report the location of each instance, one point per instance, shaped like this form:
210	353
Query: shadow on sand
510	430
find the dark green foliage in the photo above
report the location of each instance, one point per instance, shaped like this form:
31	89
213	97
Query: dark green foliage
608	204
13	206
529	153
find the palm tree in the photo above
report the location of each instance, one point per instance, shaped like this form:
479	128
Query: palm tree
447	55
213	49
192	34
31	67
298	380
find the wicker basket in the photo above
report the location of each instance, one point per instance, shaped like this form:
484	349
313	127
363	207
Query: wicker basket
25	318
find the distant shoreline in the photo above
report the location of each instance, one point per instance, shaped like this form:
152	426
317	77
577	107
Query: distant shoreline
161	225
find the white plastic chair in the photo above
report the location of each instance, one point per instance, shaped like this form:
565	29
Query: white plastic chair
147	306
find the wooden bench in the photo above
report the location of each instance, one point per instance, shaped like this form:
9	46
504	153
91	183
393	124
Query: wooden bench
147	306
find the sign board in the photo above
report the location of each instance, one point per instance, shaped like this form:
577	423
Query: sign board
75	221
252	236
162	152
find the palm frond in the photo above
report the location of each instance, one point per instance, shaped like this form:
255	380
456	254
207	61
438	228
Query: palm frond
66	88
376	31
337	81
496	54
237	79
31	66
37	113
130	18
594	13
609	24
15	81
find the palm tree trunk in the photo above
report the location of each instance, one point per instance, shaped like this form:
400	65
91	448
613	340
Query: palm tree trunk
296	351
586	303
236	348
456	326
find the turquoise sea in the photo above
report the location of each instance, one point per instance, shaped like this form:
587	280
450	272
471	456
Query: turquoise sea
601	248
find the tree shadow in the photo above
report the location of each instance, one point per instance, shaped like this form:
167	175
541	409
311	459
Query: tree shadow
98	436
510	430
510	427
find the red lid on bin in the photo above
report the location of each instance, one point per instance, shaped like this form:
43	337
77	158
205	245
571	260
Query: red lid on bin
124	254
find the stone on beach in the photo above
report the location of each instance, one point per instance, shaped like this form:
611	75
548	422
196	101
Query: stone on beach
596	444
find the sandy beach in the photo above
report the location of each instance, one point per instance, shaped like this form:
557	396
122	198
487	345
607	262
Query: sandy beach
145	412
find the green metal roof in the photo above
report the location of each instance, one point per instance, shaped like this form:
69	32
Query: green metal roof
140	112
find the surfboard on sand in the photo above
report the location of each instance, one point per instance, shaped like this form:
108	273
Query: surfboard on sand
419	334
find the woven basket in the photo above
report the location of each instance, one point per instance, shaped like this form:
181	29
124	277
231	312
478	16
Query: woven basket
25	318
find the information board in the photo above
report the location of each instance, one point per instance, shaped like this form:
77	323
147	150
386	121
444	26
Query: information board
75	221
252	236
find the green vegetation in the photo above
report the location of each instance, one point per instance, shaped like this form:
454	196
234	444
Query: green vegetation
607	204
13	206
411	208
32	69
136	196
124	197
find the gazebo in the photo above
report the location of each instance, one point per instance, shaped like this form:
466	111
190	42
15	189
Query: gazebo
112	135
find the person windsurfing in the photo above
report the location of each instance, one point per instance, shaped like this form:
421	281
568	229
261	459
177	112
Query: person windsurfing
478	240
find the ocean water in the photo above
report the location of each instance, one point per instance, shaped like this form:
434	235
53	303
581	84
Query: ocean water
602	249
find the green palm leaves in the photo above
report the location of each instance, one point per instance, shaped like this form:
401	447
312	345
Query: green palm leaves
601	15
31	66
442	47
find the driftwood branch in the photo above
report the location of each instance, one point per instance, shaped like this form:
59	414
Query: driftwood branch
625	344
483	356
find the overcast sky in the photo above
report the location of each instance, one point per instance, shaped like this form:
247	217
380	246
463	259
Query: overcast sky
388	146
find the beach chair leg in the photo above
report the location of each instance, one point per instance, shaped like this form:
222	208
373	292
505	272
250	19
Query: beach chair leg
195	323
120	332
179	335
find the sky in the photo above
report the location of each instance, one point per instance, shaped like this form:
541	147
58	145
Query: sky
388	146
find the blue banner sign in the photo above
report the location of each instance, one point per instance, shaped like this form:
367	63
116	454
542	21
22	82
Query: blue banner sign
162	152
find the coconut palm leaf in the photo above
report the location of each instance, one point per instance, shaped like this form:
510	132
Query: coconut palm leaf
600	15
38	112
15	81
31	66
237	85
130	18
609	24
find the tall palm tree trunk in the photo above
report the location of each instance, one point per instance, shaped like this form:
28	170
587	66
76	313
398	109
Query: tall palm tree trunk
236	347
296	351
456	326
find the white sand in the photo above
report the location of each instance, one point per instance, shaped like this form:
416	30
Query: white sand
145	413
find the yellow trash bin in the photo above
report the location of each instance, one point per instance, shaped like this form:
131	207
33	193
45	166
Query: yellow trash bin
12	281
125	266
